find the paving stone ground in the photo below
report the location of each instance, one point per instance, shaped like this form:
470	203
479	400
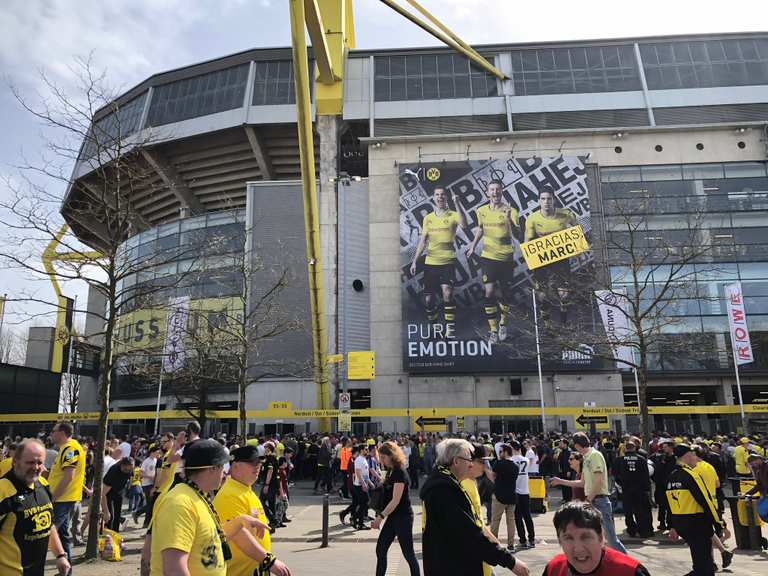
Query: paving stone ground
352	553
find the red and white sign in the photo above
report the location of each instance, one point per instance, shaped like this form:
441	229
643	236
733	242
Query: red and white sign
737	320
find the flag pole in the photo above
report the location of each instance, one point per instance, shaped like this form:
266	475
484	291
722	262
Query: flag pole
159	394
538	360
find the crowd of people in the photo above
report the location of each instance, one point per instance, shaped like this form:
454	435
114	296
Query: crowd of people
211	505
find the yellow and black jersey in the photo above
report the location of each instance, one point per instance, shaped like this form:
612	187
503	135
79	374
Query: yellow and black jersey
168	470
71	455
497	231
689	499
441	233
537	225
26	518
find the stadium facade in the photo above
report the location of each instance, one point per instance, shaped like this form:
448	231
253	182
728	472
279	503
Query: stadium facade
679	122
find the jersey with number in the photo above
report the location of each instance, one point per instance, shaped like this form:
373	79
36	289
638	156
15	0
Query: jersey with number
441	233
71	455
538	225
26	517
497	236
521	487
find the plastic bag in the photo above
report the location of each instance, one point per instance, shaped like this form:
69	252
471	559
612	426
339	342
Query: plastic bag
110	546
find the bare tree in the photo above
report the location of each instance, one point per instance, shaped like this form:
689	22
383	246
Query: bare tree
70	392
13	345
655	262
91	170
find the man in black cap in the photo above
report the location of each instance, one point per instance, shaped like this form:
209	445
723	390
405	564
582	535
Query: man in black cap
693	513
251	548
187	536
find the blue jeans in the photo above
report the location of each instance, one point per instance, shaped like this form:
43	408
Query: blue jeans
62	519
603	504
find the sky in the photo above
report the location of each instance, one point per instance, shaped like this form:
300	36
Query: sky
130	40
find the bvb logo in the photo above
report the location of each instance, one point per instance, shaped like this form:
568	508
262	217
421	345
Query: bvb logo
42	521
433	174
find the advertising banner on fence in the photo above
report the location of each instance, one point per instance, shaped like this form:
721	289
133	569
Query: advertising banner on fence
476	236
737	322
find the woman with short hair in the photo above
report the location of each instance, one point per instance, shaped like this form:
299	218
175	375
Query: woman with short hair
397	515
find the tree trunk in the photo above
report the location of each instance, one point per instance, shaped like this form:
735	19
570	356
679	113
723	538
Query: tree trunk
642	401
94	508
241	427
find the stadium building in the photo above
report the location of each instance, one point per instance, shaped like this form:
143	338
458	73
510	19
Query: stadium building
675	124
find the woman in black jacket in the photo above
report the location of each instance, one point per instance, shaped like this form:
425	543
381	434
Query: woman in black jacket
453	544
397	515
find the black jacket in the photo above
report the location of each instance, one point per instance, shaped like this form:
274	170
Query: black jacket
631	473
453	545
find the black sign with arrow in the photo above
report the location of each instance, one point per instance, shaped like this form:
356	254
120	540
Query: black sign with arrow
586	420
421	421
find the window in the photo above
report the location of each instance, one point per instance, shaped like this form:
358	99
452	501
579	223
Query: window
706	63
575	70
430	77
198	96
273	83
122	121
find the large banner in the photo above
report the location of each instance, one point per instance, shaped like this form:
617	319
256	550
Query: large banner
737	323
466	231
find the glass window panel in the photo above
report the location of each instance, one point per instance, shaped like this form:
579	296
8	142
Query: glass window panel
715	51
704	77
756	73
546	60
479	88
397	88
594	58
748	50
622	174
698	52
446	87
698	171
492	87
397	66
460	65
429	65
732	51
413	88
653	78
381	89
744	169
670	78
762	47
578	58
562	59
445	64
429	88
666	53
462	88
530	61
651	173
753	270
413	65
682	54
381	66
611	56
649	55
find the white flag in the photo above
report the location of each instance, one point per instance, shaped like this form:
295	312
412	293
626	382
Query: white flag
737	321
616	322
175	327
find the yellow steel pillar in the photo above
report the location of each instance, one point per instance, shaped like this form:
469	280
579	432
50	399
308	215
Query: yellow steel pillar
309	187
339	32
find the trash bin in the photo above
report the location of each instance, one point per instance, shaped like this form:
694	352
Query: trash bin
538	494
747	525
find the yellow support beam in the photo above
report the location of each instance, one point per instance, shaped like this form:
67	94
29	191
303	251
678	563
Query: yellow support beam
443	27
471	54
309	188
320	47
338	28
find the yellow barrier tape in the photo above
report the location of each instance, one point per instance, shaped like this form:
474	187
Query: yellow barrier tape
281	410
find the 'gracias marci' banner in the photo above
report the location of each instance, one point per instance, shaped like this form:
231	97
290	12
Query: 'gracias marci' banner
475	237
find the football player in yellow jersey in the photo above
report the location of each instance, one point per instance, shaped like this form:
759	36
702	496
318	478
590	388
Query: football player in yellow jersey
438	235
499	224
553	280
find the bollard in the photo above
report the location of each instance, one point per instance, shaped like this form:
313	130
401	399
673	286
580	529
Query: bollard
326	502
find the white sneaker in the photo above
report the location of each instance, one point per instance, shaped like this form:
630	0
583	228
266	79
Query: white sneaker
493	337
502	332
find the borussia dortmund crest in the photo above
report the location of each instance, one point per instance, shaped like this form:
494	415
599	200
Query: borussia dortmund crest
433	174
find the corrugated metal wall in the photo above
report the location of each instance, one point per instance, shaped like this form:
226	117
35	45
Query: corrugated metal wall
440	125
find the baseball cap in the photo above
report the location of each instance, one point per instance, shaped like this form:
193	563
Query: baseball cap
665	441
681	450
744	440
204	454
478	452
246	454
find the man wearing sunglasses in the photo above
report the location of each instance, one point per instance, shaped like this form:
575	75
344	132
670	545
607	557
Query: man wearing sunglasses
250	548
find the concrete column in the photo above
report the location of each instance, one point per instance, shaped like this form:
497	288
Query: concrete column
328	132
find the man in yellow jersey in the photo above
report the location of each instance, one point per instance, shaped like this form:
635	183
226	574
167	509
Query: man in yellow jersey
553	280
251	551
712	482
165	475
67	479
693	511
26	516
740	455
438	235
499	223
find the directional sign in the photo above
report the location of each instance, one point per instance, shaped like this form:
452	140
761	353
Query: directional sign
600	422
361	365
345	401
429	424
